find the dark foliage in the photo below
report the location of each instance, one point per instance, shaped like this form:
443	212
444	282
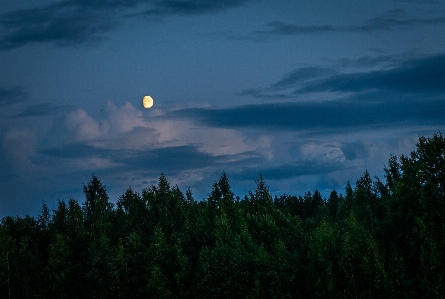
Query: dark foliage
379	240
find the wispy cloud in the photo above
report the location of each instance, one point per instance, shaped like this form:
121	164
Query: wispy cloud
392	20
281	28
379	76
302	75
191	7
79	22
417	75
63	24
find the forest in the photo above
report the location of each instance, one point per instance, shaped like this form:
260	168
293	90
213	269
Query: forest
380	239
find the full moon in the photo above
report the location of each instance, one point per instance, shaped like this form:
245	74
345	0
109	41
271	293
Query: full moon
147	101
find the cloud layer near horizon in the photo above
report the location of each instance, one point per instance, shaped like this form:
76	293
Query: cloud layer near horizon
133	146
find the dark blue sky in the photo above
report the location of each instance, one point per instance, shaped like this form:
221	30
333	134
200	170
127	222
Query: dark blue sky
308	93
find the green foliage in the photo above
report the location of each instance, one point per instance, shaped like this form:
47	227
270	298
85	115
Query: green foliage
360	262
416	216
97	203
378	240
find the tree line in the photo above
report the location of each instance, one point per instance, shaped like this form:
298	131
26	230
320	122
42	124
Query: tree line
380	239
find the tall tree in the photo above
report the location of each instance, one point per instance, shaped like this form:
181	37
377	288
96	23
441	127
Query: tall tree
415	227
97	203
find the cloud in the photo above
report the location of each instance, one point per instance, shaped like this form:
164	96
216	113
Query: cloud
64	24
186	164
80	127
372	62
126	146
391	20
80	22
170	159
75	23
301	75
74	151
125	127
417	75
153	161
127	139
313	150
373	109
9	96
280	28
192	7
355	150
123	119
379	77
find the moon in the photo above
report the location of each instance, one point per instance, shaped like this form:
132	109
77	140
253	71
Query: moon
147	101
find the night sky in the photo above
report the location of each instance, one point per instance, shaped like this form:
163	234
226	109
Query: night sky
308	93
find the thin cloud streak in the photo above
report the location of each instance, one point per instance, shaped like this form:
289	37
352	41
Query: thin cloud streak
382	23
187	8
420	75
301	75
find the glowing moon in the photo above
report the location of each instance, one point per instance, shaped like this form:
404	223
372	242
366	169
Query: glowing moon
147	101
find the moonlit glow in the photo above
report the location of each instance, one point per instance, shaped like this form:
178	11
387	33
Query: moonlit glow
147	101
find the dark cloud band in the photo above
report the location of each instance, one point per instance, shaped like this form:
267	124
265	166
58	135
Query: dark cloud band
73	23
419	75
358	111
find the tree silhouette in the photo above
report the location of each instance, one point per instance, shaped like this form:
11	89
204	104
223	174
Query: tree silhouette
379	239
